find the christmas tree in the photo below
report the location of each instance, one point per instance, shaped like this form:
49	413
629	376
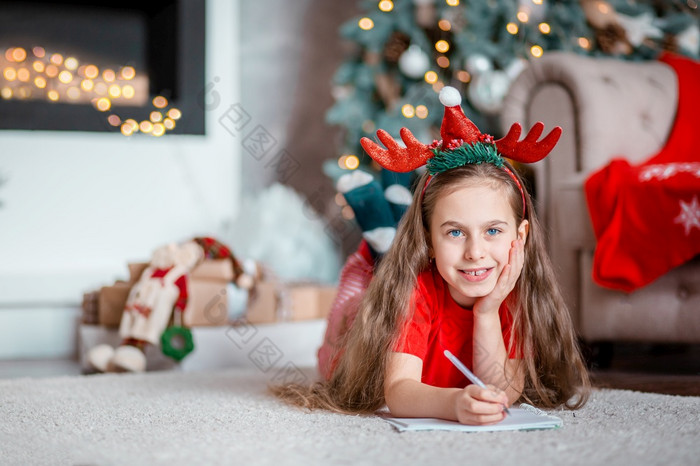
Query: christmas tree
404	52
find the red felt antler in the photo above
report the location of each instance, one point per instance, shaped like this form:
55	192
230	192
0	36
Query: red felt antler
529	150
395	157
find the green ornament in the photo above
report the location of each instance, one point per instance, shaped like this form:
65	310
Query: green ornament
176	342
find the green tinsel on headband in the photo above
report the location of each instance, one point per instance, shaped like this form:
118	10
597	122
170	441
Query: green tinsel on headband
468	153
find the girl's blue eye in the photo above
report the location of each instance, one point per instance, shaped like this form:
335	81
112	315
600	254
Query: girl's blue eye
492	231
454	233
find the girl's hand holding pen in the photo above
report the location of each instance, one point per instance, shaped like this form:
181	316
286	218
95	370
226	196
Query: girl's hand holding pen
479	406
477	401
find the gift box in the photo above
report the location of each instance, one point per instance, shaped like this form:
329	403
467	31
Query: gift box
307	301
112	299
136	270
276	302
207	296
207	303
220	270
90	307
263	305
111	303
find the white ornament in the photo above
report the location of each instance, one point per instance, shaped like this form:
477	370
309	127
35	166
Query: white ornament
477	64
414	62
689	216
639	28
689	39
486	92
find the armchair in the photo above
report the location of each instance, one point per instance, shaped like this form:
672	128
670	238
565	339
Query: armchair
607	108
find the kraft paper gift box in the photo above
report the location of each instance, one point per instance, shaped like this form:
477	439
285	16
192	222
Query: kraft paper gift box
207	304
112	299
276	302
90	307
111	303
307	301
207	299
262	307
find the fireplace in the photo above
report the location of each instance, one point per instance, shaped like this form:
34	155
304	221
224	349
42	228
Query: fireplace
103	66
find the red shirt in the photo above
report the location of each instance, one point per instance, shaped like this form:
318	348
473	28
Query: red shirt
439	323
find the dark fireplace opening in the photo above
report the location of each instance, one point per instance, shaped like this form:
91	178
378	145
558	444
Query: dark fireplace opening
129	66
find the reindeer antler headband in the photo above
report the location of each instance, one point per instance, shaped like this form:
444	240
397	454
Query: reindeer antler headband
462	143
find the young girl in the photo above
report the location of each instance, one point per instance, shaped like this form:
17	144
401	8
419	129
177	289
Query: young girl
468	272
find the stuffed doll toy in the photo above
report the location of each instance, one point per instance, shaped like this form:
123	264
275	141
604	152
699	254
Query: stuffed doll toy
161	290
158	298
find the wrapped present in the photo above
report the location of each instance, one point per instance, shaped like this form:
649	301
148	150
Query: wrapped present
262	307
207	299
136	270
307	301
207	304
90	308
112	299
219	270
281	302
111	303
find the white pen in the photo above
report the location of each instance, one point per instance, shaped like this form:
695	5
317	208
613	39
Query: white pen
467	373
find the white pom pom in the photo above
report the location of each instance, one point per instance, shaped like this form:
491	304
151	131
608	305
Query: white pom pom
380	238
449	96
398	194
353	180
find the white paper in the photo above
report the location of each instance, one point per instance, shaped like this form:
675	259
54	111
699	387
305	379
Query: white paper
523	418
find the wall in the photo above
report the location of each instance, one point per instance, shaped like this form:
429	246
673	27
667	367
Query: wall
271	49
78	206
290	52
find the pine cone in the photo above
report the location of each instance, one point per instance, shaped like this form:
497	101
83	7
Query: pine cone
395	46
612	40
670	43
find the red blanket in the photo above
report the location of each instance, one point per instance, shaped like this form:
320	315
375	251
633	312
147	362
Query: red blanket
647	217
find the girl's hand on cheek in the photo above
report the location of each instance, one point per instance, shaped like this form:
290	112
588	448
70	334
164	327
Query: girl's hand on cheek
480	406
506	281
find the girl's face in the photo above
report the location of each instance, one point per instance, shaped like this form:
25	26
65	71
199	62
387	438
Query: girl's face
471	234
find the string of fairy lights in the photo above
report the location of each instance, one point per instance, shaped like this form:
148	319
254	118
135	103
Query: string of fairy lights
37	74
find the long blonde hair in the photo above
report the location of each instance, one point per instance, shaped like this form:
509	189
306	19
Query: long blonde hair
555	373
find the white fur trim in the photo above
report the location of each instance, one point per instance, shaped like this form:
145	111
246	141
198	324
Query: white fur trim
130	359
100	356
398	194
353	180
380	238
450	97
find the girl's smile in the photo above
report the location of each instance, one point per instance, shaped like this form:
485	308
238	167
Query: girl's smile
477	275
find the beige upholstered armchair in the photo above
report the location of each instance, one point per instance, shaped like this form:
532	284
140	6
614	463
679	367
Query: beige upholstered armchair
606	108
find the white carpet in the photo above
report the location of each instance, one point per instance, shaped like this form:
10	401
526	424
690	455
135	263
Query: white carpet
227	417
